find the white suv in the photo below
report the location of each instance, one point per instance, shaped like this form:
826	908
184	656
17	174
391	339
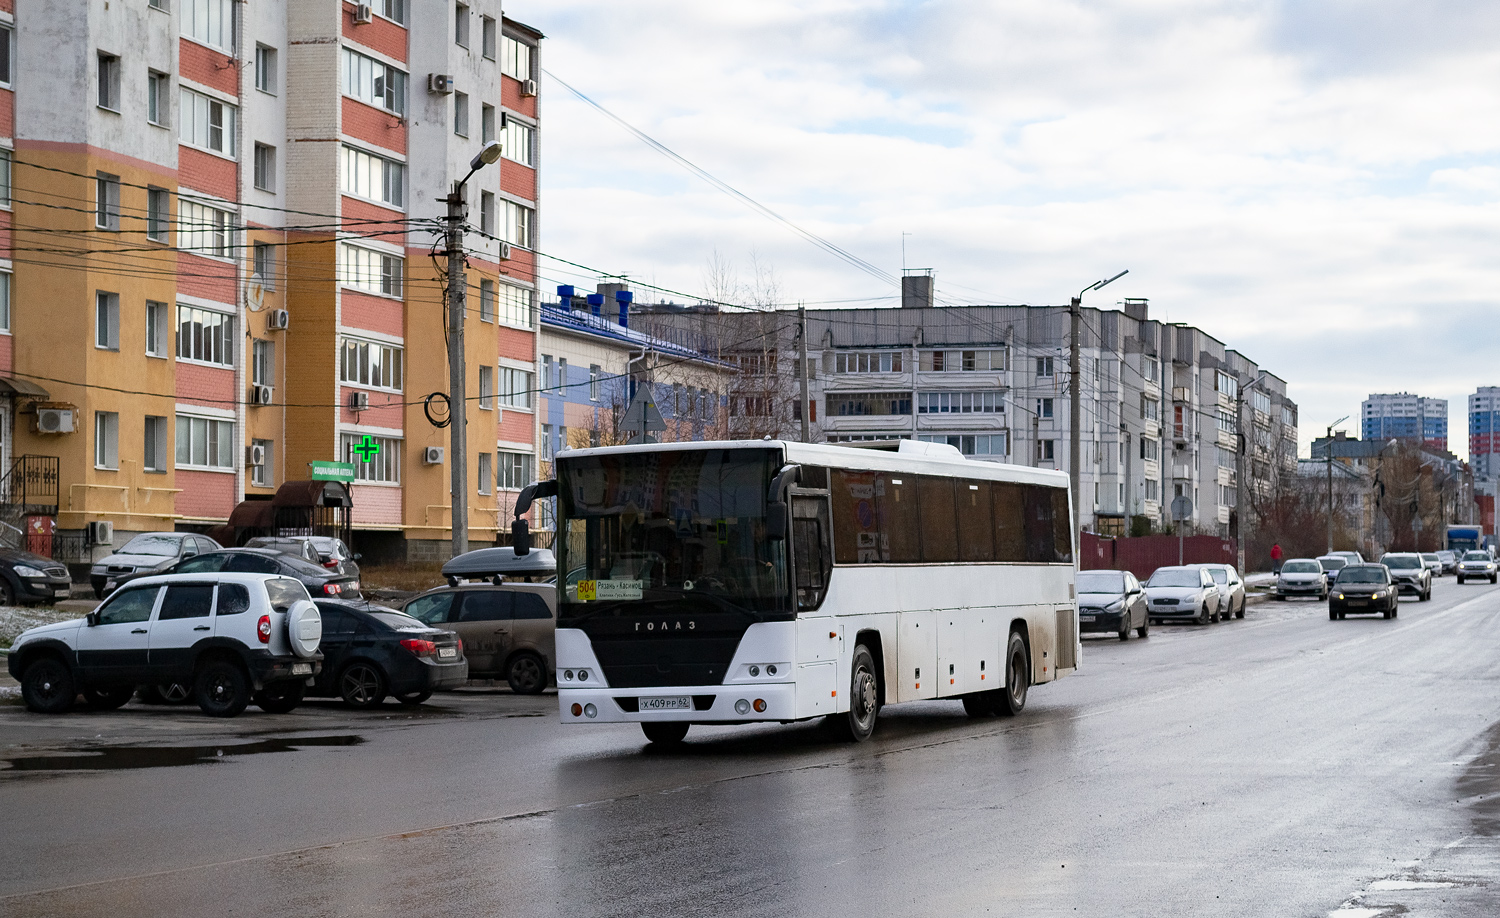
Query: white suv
233	638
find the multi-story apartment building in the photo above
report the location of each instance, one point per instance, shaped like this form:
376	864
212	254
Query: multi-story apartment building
1404	416
1163	406
219	245
1484	432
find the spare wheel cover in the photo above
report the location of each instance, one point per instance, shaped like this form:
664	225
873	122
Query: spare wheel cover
304	628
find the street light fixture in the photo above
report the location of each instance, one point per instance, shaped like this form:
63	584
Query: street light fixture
1075	399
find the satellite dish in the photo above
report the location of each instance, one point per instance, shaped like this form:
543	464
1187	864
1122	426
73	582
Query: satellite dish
255	294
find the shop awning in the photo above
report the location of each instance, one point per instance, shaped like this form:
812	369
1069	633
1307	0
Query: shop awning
10	385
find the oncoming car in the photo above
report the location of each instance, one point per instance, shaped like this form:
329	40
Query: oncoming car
1409	573
1476	565
1183	593
1363	588
1302	576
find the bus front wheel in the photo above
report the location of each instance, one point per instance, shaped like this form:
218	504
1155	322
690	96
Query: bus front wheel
1011	700
858	722
665	732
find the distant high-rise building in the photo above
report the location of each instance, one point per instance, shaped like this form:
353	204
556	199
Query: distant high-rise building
1484	432
1405	416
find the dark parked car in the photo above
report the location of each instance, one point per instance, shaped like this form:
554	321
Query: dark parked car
1111	602
325	551
371	651
297	548
321	583
508	629
1363	588
147	553
26	578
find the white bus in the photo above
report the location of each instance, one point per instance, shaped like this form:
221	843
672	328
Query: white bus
745	581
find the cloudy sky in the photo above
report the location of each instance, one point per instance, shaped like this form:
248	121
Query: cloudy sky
1314	183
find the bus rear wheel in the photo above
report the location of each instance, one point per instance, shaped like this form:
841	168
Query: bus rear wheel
856	724
1011	700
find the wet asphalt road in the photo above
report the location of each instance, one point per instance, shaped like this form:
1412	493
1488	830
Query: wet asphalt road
1283	765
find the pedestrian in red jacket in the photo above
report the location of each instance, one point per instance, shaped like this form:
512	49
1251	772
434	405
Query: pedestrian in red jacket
1276	558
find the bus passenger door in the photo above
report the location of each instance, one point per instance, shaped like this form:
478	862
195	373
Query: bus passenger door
819	636
812	548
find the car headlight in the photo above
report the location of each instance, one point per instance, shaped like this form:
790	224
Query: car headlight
1378	594
1340	596
26	570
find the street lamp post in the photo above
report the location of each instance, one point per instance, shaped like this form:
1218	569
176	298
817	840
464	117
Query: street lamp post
1239	468
457	305
1075	398
1328	456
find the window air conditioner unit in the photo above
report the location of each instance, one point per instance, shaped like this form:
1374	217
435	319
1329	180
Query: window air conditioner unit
54	420
255	456
528	87
278	320
363	13
359	401
439	83
505	251
261	395
432	455
101	533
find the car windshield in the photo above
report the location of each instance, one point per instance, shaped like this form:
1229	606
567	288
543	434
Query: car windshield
1301	567
164	545
663	524
1175	578
1101	582
1401	562
1362	575
1476	556
1332	564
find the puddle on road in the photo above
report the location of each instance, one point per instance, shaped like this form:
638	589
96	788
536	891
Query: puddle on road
123	758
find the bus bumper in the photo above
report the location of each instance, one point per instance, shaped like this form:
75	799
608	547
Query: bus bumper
706	704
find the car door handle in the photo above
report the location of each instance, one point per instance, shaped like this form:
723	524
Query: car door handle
502	631
202	628
137	630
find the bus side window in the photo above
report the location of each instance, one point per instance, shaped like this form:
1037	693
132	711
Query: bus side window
939	528
1040	545
976	528
1010	522
900	525
1062	530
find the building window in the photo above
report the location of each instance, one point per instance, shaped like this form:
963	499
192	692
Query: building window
1044	407
394	10
513	471
487	213
1225	421
207	123
461	25
107	201
205	443
461	114
1151	369
1046	450
109	82
972	444
204	230
982	402
106	440
383	466
6	77
514	306
260	475
1150	409
370	363
374	177
263	362
517	59
1044	367
157	5
518	142
158	327
962	361
1261	401
158	213
514	388
265	69
485	474
546	444
154	458
374	83
205	336
265	167
486	123
369	270
157	104
1148	449
486	300
5	284
263	265
518	223
1226	384
868	362
208	21
5	163
1288	416
107	321
594	373
487	37
843	404
487	388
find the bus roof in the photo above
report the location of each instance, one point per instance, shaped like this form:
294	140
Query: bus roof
906	456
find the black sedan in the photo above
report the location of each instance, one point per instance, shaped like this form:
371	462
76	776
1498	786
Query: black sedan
370	652
1363	588
1111	602
319	581
26	578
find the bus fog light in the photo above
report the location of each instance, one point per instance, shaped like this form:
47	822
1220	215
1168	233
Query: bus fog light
755	670
760	706
568	675
742	707
590	711
577	709
583	675
771	670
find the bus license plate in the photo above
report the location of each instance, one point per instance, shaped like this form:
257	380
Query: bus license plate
674	703
447	653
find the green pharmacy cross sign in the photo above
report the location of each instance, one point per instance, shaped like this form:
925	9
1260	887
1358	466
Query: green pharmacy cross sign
367	448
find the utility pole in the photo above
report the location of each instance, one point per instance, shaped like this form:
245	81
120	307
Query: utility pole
1239	468
802	369
1075	398
1328	458
458	414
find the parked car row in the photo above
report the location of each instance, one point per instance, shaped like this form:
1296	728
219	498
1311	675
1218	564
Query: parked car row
1115	602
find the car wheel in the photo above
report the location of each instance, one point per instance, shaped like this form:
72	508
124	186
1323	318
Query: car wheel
221	689
1241	612
280	697
1125	625
98	584
7	593
1333	616
166	693
856	724
665	733
414	698
1203	618
362	685
108	699
1011	700
1341	616
47	686
1281	597
1144	629
526	675
1460	580
1388	614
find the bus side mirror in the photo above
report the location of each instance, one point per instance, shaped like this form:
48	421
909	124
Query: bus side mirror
520	537
776	514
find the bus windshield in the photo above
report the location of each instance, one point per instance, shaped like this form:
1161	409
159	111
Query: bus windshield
669	525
